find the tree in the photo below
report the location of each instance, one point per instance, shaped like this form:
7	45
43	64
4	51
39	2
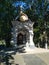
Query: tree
37	14
35	9
7	14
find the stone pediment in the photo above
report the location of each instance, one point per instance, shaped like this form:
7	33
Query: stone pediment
19	24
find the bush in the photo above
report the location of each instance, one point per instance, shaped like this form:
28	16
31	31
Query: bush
2	42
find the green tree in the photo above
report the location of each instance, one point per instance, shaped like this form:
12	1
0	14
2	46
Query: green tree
37	14
7	14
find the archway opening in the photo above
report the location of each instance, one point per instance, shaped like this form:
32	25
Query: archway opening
22	37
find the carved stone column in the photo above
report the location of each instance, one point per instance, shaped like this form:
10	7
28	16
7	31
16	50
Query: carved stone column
31	44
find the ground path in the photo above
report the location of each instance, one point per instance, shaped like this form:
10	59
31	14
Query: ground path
37	56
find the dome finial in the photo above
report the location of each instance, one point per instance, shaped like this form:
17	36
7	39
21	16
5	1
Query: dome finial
21	9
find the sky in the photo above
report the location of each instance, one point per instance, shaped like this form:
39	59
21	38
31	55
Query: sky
26	5
21	4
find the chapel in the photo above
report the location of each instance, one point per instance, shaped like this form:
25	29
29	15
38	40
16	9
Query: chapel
22	31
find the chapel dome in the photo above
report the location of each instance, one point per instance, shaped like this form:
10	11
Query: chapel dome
23	17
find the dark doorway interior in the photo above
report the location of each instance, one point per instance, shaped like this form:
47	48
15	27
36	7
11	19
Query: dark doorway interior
21	39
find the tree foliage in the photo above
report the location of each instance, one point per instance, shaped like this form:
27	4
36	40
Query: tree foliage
37	11
6	16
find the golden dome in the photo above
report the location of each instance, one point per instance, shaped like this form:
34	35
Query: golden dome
23	17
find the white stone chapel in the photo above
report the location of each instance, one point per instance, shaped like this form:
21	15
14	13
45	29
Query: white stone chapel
22	31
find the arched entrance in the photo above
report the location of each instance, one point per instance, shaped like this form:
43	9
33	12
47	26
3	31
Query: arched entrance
22	37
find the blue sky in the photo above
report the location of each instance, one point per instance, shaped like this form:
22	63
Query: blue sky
25	6
22	4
